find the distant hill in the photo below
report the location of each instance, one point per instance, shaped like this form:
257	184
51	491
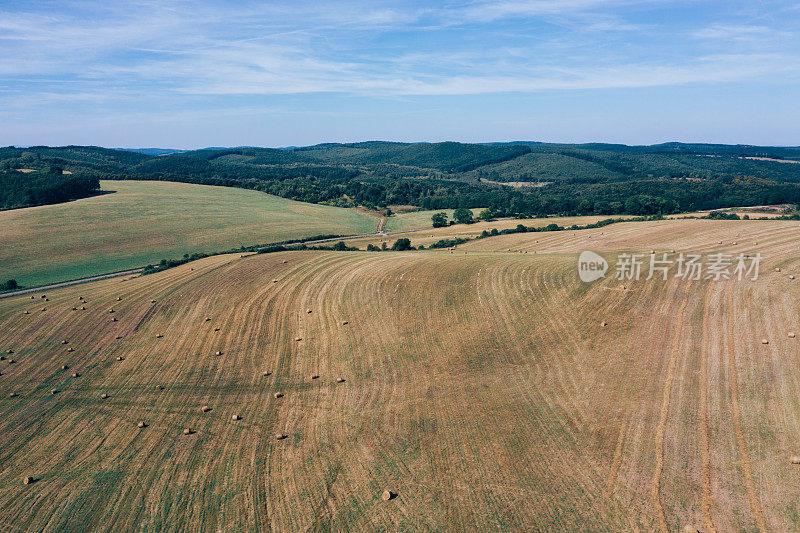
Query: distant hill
592	178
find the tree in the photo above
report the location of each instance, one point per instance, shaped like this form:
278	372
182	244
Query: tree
401	245
486	214
439	220
463	215
9	285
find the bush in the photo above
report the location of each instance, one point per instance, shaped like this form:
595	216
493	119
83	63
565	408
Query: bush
463	215
9	285
439	220
401	245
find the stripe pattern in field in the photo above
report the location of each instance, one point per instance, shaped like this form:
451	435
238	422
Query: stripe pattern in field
480	388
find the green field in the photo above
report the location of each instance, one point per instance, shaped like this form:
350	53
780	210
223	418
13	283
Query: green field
142	222
418	219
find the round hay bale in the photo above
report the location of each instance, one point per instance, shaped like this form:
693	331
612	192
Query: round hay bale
387	495
159	336
208	319
298	339
142	425
339	380
26	312
83	308
267	373
9	351
64	367
2	357
205	408
159	387
70	349
795	459
218	352
118	337
345	322
44	296
74	308
54	391
314	376
308	311
791	276
777	270
235	417
47	299
188	431
27	480
216	329
278	395
284	262
280	436
119	299
75	375
120	358
103	396
113	319
274	281
44	309
764	341
791	335
12	395
33	298
111	310
152	301
603	324
11	361
65	341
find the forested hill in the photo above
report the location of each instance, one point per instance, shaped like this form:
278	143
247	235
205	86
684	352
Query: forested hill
520	178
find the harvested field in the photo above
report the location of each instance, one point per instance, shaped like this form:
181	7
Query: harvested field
480	392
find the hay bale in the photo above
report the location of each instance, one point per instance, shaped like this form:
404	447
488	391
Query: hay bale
11	361
795	459
278	395
216	329
690	529
103	396
2	357
111	310
280	436
218	353
205	409
64	367
208	319
44	309
603	324
74	308
159	336
777	270
339	380
119	299
12	395
33	298
764	341
54	391
188	431
314	376
274	281
791	335
65	341
120	358
345	322
308	311
83	308
267	373
75	375
26	312
27	480
9	351
70	349
159	387
235	417
152	301
118	337
298	339
791	276
113	319
142	425
387	495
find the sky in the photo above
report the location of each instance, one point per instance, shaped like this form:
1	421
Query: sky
191	74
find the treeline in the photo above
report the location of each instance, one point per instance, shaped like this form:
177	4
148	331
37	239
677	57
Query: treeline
19	189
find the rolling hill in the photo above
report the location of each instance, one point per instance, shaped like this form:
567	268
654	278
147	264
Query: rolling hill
137	223
486	390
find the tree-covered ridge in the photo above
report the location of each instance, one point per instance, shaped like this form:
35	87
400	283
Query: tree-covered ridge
18	189
574	179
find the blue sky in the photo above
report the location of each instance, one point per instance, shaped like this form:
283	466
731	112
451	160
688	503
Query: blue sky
188	74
